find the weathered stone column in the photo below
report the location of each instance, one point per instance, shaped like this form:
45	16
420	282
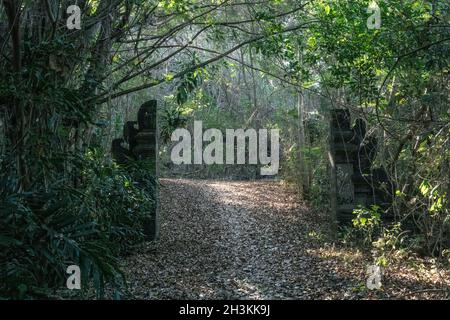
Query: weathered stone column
147	149
342	149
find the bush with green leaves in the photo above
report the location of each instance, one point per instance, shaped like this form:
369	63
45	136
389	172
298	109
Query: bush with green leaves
44	231
367	222
390	245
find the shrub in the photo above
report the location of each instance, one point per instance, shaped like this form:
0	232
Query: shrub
44	231
367	222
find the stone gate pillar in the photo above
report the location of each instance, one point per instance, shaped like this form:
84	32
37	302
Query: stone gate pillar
354	181
343	148
147	149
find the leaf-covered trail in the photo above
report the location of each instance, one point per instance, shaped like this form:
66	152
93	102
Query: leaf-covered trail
222	239
241	240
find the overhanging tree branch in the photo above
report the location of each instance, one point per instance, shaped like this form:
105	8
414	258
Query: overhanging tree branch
106	97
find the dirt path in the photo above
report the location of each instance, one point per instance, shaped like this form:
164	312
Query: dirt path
242	240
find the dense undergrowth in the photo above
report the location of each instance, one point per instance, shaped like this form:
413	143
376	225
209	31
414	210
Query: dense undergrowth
44	231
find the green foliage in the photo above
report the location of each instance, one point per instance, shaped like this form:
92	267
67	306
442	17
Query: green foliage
367	222
44	231
189	82
390	245
171	120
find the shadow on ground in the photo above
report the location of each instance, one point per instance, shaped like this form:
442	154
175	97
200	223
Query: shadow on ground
248	240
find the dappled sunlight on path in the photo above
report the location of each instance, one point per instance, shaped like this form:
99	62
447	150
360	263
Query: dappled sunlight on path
242	240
